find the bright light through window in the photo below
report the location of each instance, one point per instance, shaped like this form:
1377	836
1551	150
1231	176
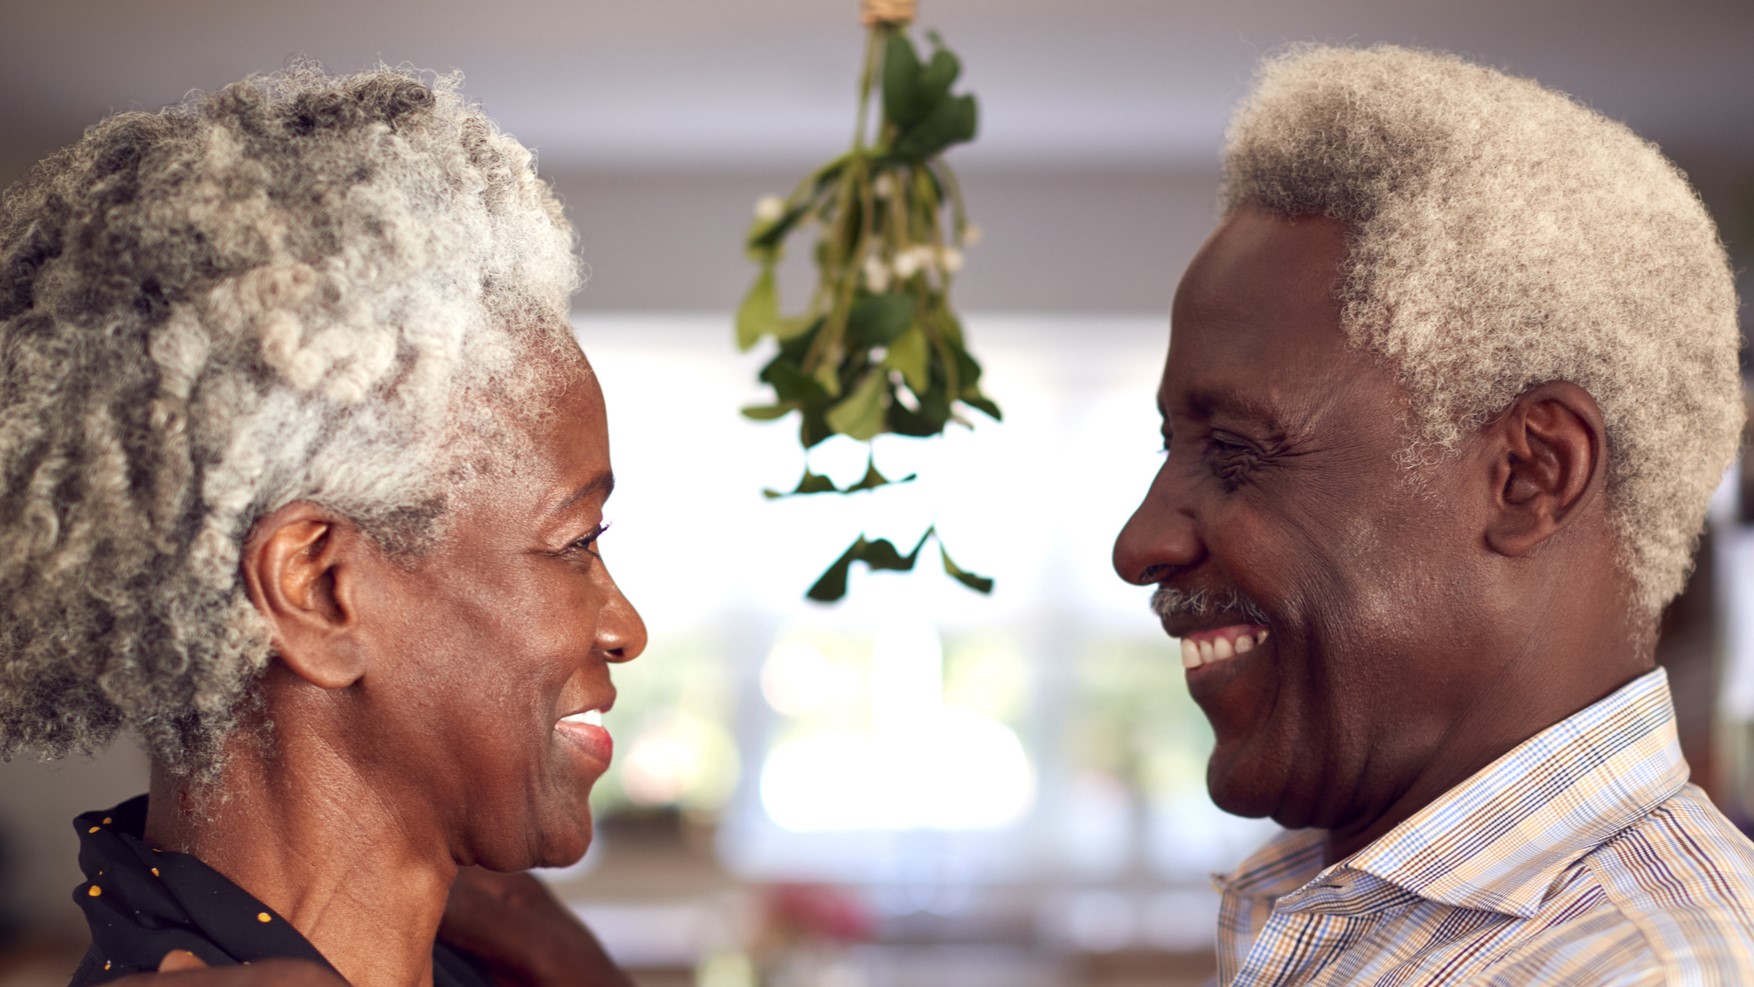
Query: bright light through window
1047	724
917	763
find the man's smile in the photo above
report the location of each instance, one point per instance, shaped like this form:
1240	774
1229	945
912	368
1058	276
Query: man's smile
1202	648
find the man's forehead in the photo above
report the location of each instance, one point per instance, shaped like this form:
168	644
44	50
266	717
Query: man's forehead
1256	331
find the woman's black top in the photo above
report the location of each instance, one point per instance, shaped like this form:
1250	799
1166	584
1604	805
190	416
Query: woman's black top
141	903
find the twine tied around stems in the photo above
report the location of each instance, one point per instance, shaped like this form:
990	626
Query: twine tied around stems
874	12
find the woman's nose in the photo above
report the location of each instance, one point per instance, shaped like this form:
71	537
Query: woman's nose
1161	536
621	631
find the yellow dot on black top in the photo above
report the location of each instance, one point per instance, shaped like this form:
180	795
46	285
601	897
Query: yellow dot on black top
94	829
155	872
95	891
106	964
263	917
106	820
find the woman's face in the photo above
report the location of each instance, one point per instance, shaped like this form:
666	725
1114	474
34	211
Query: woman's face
492	650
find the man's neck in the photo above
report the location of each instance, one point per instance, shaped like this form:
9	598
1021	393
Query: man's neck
1557	669
322	848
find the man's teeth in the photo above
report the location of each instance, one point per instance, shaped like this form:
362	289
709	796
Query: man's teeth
593	717
1205	652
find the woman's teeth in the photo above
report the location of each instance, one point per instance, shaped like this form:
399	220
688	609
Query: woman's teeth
1219	646
593	717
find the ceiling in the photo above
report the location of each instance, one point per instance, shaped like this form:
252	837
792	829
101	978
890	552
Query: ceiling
713	85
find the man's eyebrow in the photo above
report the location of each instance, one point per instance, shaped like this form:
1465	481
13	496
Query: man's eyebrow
1207	404
1248	408
603	483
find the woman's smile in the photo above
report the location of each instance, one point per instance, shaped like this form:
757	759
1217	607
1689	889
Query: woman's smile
584	730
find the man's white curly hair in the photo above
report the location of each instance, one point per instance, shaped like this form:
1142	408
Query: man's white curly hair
1502	235
302	286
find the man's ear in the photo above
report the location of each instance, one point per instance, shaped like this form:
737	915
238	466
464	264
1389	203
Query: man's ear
302	565
1548	461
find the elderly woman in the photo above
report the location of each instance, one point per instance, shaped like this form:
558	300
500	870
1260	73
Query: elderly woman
302	479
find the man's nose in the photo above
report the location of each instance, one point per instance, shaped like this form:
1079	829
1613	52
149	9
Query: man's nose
1161	537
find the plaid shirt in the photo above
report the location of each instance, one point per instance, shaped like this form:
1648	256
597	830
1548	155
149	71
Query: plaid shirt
1583	857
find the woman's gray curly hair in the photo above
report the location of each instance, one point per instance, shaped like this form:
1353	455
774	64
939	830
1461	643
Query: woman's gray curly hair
299	287
1502	235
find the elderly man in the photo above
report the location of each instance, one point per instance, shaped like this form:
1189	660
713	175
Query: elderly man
1448	390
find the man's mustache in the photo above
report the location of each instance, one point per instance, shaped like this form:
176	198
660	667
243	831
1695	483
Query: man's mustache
1171	602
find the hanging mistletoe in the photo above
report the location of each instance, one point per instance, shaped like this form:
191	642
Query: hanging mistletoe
878	349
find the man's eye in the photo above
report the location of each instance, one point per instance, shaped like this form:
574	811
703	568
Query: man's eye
1230	459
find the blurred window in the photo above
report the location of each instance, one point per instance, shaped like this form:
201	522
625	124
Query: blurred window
916	736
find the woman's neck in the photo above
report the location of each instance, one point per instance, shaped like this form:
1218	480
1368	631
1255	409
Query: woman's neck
299	828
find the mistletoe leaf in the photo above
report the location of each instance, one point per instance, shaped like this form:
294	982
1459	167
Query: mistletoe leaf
876	320
829	379
824	176
814	428
759	314
982	403
952	121
832	584
809	483
813	483
803	325
882	554
980	584
791	384
901	80
873	479
930	419
908	353
935	81
968	371
878	554
796	348
765	236
860	414
768	412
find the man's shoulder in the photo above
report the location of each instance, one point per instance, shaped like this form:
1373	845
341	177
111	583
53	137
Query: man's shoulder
1667	901
1683	854
1682	878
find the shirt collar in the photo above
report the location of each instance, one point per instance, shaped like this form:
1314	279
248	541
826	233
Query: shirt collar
1499	840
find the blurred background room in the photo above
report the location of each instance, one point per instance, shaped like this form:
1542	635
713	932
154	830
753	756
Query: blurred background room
920	785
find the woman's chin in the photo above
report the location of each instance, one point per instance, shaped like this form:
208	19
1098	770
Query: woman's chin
568	848
558	844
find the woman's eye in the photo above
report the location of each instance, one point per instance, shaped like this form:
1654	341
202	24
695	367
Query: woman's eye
584	544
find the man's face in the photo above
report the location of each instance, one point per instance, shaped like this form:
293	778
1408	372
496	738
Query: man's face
1281	501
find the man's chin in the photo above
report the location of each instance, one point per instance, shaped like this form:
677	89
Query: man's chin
1243	789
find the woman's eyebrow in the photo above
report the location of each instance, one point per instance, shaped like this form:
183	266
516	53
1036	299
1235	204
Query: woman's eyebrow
603	483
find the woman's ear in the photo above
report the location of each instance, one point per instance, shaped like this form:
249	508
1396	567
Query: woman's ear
1548	460
301	565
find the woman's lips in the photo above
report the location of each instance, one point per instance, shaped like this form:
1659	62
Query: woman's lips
1220	644
585	731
